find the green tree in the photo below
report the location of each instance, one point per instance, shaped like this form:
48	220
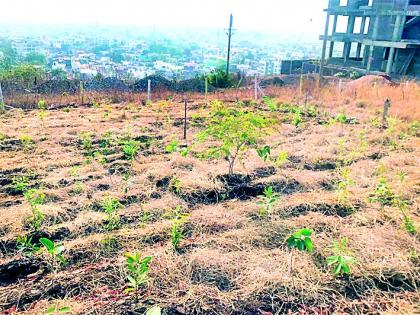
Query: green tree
235	130
35	58
24	75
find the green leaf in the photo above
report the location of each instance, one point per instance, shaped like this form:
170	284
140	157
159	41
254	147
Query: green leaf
306	232
47	243
308	244
65	309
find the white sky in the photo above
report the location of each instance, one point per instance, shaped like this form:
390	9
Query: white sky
280	16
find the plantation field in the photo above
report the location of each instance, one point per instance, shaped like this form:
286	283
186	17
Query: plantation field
267	207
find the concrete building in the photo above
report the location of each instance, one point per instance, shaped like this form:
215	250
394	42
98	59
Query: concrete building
379	36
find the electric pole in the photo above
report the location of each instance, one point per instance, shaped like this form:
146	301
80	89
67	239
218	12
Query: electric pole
229	38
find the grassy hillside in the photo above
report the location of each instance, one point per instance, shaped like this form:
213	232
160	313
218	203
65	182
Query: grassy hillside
108	179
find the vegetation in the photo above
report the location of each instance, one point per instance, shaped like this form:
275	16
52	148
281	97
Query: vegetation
236	130
301	240
138	269
212	252
267	201
341	260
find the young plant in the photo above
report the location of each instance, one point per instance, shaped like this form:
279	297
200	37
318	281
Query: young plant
282	158
26	142
175	184
235	130
55	309
342	258
270	103
55	251
176	235
301	240
138	269
264	152
26	247
35	198
383	193
20	184
267	201
110	206
130	149
342	187
86	140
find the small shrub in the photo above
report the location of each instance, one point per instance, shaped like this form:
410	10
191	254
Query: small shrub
20	184
25	246
55	251
342	259
264	152
130	149
110	206
301	240
383	193
26	142
138	269
35	198
267	201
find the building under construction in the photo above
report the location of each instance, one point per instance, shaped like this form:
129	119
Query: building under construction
373	36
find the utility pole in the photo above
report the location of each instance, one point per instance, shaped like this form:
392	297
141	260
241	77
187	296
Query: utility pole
1	96
229	39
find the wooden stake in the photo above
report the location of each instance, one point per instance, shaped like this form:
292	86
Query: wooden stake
387	105
185	119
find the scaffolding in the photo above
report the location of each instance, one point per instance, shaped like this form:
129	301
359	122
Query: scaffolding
377	36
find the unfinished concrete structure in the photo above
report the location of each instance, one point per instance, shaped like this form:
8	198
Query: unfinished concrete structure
376	36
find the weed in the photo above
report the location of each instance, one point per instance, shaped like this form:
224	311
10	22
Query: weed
42	105
74	171
109	244
176	235
55	251
138	269
267	201
77	189
342	258
301	240
264	152
25	246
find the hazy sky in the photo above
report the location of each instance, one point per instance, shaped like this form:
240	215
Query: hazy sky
280	16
